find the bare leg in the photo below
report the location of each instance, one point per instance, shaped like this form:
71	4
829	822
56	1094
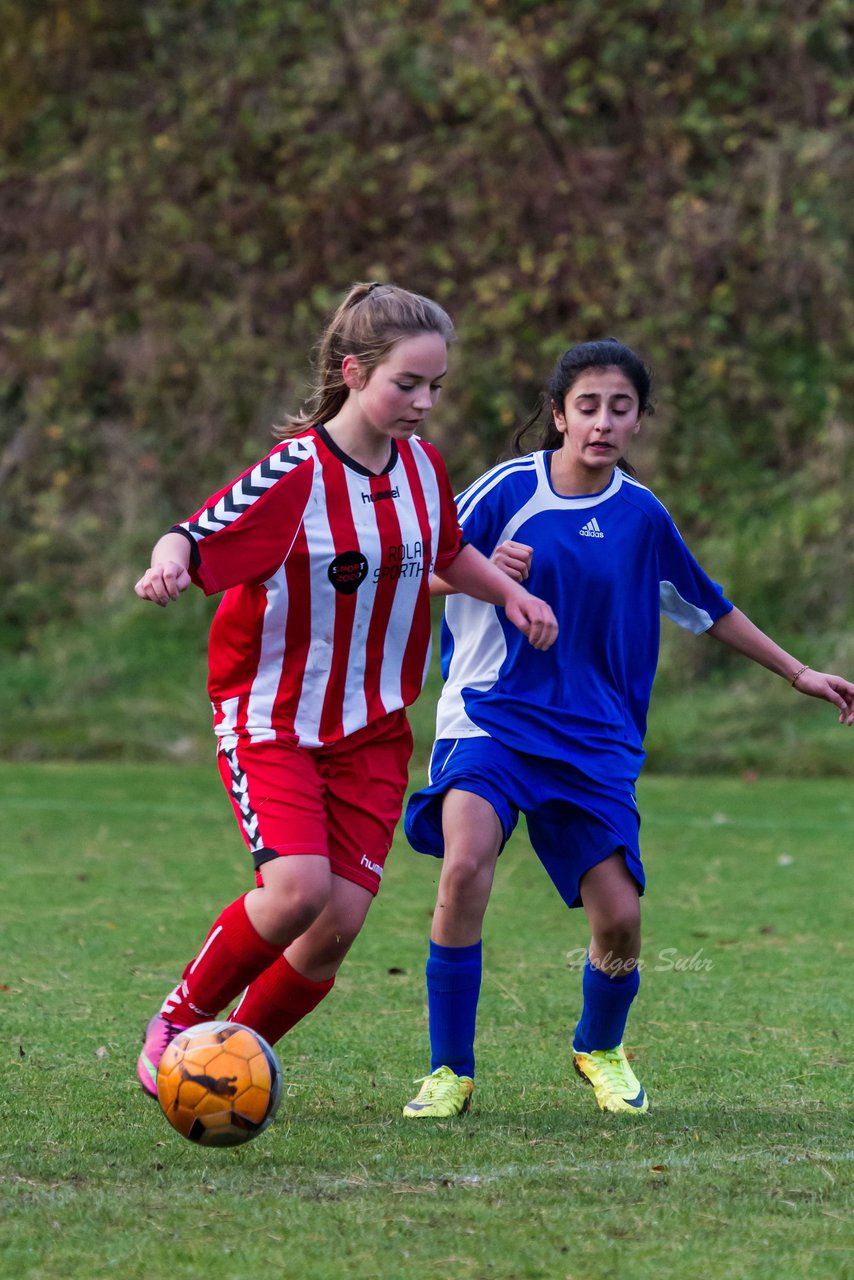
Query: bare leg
610	983
318	953
295	891
472	843
297	981
609	894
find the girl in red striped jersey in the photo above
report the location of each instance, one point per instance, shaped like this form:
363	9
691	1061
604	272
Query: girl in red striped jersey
324	550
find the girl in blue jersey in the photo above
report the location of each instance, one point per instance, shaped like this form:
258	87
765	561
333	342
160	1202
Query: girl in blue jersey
558	735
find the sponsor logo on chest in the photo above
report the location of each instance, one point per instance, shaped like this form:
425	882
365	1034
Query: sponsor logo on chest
348	571
401	560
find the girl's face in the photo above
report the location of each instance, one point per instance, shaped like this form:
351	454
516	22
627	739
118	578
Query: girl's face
397	395
600	415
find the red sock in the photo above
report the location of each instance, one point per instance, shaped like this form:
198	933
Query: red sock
278	999
233	954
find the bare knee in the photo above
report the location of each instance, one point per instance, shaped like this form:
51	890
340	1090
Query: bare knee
318	952
615	944
299	908
619	935
462	899
473	837
324	947
466	873
610	897
293	894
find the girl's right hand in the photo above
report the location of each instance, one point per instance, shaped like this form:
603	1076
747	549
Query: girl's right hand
513	558
163	582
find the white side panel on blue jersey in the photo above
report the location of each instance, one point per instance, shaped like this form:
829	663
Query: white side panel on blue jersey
681	612
473	666
476	664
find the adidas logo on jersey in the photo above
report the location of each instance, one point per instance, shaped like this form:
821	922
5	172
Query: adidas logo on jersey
591	529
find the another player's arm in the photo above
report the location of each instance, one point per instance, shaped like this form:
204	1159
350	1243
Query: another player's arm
512	558
737	631
169	573
474	575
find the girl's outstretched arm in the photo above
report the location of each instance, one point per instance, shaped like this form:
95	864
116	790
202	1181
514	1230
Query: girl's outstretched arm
474	575
168	575
737	631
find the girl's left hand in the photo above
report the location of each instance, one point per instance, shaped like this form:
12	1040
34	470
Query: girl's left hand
820	684
513	558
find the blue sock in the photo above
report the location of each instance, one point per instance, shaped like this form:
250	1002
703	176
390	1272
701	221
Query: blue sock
453	988
606	1008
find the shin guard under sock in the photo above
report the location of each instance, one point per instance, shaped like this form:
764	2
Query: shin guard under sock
278	999
606	1008
453	989
233	954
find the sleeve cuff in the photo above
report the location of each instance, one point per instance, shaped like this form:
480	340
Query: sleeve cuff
195	555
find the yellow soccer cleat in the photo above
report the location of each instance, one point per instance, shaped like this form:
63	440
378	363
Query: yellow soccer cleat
441	1095
616	1086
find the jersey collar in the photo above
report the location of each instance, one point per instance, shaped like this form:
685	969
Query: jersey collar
323	434
581	500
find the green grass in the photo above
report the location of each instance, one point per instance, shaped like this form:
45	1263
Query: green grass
742	1169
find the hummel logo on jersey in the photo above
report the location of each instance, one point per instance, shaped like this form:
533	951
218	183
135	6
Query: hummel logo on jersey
591	529
380	494
372	866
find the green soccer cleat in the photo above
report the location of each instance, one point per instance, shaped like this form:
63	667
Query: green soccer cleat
442	1094
616	1086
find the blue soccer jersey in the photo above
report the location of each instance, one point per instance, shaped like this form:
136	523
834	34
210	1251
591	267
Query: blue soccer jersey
609	564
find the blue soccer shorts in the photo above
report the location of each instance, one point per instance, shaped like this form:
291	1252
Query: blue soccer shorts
572	823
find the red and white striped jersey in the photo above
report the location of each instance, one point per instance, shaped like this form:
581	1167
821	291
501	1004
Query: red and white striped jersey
325	622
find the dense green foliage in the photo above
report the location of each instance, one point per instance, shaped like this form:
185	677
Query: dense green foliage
186	188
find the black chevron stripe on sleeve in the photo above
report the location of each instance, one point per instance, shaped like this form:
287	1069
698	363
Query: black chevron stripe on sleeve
245	491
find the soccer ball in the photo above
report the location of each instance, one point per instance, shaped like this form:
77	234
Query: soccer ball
219	1084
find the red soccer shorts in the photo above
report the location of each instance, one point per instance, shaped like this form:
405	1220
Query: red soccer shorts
341	801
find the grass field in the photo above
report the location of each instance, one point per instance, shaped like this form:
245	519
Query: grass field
743	1168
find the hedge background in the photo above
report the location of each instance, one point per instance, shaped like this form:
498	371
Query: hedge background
186	189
